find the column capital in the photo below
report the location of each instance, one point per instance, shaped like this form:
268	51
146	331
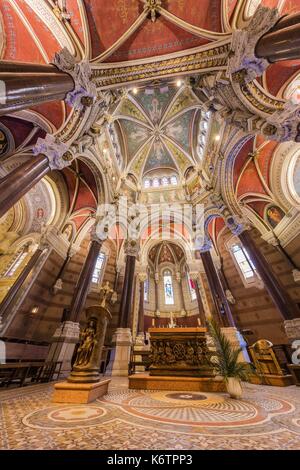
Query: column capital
131	247
243	43
85	91
194	275
58	153
142	276
236	224
206	246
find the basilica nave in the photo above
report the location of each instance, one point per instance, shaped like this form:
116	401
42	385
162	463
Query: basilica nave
149	224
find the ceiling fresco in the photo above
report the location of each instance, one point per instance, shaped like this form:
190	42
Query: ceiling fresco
157	128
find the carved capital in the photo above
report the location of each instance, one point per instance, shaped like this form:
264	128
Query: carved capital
84	92
58	153
242	56
143	276
132	247
206	246
236	225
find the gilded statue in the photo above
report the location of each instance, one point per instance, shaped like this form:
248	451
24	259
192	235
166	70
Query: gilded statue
106	291
87	344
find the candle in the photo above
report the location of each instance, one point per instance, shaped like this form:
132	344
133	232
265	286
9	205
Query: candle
198	320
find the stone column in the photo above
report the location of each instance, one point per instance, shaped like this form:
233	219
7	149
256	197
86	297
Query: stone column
179	280
29	85
282	42
13	291
122	339
140	339
141	328
218	294
19	181
195	278
67	334
49	154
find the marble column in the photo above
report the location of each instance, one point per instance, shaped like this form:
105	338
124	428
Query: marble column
131	251
6	303
276	291
282	42
122	338
67	334
141	328
29	85
202	317
19	181
220	301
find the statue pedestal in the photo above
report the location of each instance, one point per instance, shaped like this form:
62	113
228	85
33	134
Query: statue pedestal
237	341
120	357
63	344
67	392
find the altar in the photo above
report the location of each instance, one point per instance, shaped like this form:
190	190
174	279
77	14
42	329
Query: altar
180	359
179	352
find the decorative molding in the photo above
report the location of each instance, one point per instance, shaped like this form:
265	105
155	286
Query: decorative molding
242	55
57	152
131	247
152	7
84	93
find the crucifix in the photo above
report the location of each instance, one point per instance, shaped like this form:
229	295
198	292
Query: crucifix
106	291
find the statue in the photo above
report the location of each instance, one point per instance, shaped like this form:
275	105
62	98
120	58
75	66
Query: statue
106	292
87	344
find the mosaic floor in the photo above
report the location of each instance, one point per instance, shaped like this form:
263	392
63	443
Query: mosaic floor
266	418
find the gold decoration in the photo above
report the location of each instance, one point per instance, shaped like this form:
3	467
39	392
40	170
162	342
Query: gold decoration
152	6
106	290
87	344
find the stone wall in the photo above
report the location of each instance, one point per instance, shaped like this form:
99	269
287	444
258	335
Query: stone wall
254	310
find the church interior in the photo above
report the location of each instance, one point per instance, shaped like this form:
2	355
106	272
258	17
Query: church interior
149	224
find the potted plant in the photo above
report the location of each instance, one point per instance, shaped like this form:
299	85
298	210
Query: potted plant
226	361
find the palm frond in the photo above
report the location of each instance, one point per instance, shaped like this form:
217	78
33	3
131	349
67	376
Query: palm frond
227	362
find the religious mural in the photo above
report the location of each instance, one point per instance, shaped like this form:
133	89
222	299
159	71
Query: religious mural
274	215
164	114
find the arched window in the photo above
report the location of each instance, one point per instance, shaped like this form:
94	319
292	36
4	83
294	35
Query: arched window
16	263
99	268
174	180
243	260
147	183
168	288
146	290
165	181
155	182
192	288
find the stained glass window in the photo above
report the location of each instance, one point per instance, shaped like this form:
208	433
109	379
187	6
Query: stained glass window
243	260
192	288
16	263
146	290
168	288
97	274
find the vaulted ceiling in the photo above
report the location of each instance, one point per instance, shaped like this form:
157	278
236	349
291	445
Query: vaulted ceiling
157	126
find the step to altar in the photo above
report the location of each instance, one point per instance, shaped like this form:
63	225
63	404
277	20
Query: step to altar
182	384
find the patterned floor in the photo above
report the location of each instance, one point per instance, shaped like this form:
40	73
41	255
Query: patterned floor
266	418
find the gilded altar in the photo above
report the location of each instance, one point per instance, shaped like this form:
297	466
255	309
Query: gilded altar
179	352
